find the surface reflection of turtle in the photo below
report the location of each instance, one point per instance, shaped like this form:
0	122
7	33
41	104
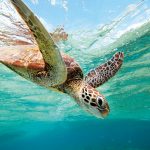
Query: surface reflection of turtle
44	65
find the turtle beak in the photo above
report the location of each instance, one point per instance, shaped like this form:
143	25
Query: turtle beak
105	110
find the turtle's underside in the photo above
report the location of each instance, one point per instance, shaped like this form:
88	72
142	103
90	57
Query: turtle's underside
45	65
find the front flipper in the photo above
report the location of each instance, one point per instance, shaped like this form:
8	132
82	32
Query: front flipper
101	74
54	63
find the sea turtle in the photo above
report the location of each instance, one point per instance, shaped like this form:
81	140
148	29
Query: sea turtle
45	65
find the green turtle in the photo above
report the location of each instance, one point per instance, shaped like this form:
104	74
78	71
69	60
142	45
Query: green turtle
44	65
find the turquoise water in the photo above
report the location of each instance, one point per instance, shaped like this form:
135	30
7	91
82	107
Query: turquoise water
32	117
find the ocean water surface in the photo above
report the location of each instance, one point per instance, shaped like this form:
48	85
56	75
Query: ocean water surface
32	117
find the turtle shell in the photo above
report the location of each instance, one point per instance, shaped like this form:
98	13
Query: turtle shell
28	57
74	71
22	56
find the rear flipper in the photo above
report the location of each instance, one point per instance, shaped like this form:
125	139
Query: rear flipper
104	72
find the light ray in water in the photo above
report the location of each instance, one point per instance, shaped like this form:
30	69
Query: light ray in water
105	29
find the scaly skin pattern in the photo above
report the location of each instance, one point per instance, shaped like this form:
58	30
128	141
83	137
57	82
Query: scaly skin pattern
87	97
101	74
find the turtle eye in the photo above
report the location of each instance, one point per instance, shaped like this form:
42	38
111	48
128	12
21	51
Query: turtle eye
99	101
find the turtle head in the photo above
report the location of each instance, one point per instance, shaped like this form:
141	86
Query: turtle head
93	101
